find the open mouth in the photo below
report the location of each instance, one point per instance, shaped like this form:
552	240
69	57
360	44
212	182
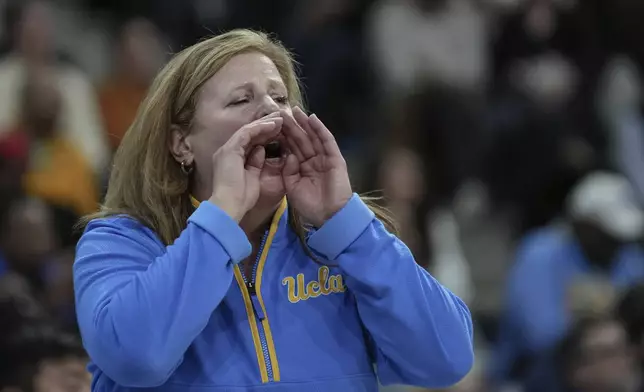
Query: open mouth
276	151
273	149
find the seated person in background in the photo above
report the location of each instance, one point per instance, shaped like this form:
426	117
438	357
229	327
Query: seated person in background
57	172
30	246
28	242
596	356
36	356
139	56
560	269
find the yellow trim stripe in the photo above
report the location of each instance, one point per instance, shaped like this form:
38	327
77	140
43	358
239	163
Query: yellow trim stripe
248	304
258	286
253	325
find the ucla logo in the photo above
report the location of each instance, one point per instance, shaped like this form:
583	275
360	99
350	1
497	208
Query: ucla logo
325	284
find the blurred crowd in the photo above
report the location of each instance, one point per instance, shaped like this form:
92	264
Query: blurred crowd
507	136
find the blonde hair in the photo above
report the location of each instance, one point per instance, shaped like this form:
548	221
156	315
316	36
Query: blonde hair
146	182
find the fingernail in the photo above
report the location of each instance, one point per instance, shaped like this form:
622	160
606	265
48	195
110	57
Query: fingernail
314	116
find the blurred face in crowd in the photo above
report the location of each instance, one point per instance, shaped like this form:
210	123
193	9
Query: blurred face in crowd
604	361
34	30
245	89
401	176
548	80
27	237
42	104
141	51
598	246
63	375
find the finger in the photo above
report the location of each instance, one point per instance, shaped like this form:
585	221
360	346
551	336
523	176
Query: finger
271	115
326	137
303	120
263	137
256	159
257	133
291	172
300	140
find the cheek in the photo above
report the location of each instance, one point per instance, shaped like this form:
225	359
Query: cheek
211	137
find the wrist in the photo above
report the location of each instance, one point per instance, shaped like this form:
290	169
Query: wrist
228	207
330	213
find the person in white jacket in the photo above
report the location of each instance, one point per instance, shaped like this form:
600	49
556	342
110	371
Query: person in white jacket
32	46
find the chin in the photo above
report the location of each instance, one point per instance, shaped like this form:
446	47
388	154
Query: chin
271	188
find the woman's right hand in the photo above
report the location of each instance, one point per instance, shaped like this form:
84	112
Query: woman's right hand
238	163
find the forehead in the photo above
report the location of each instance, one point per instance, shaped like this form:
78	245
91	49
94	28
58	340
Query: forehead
247	69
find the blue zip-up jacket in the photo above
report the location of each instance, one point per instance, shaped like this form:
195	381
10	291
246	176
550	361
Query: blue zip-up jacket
186	318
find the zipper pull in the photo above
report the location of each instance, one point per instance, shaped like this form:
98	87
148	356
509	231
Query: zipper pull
257	307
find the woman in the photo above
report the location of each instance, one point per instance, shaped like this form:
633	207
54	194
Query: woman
198	275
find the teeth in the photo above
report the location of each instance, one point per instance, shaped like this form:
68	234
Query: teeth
273	150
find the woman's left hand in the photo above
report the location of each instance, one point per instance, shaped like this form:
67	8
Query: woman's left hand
315	174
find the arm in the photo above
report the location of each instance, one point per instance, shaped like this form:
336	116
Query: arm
422	332
82	123
535	299
140	306
533	317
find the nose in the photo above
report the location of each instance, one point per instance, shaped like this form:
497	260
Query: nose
267	107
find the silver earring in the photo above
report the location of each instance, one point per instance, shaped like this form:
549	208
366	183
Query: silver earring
186	168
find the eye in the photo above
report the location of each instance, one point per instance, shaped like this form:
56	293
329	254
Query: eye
238	102
282	100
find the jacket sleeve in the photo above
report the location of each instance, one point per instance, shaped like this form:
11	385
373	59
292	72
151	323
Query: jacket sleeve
140	305
421	331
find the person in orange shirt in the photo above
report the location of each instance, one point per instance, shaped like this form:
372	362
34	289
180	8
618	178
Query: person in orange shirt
139	57
57	171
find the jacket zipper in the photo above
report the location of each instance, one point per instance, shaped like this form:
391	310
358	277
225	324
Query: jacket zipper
257	307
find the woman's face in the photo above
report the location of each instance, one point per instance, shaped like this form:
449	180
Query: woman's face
247	88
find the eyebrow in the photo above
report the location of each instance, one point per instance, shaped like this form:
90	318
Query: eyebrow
272	83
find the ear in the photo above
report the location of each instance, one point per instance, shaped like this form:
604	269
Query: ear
179	145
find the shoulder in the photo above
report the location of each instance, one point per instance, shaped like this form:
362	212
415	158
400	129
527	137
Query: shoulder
540	249
119	230
543	241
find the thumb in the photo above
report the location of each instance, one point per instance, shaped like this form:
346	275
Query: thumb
256	159
291	171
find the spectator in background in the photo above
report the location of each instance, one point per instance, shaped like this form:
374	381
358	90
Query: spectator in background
138	58
28	242
561	269
32	253
327	38
57	171
430	58
36	356
535	151
401	178
595	356
32	34
576	31
437	41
